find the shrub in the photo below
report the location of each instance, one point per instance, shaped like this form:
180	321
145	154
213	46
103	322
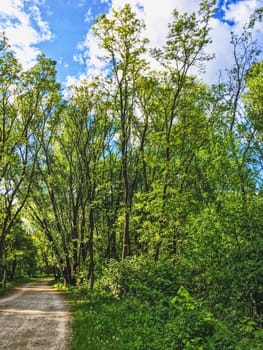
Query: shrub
140	277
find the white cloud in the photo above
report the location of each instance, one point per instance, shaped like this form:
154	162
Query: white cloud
88	16
92	55
73	81
78	58
44	32
239	13
23	36
81	3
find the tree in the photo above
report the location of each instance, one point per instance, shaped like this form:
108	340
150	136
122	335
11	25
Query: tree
65	191
120	37
27	99
173	122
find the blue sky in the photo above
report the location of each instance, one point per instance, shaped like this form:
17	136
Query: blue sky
69	21
61	29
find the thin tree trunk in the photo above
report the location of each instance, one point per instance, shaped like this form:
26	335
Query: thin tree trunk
91	272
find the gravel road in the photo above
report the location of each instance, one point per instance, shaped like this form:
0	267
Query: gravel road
34	317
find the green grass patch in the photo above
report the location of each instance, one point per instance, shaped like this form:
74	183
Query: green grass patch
104	322
101	321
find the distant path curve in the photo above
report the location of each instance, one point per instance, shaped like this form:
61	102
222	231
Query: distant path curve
35	317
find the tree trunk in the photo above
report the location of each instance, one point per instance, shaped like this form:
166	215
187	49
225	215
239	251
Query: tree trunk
91	272
3	277
126	249
13	268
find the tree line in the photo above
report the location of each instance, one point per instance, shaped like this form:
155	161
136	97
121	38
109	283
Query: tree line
137	162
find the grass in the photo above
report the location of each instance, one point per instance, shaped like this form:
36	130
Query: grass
102	322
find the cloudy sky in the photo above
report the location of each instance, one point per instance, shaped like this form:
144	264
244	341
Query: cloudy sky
61	29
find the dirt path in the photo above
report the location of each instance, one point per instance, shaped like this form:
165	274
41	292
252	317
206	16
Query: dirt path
34	317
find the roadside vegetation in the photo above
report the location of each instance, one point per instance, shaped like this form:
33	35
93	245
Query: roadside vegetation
139	304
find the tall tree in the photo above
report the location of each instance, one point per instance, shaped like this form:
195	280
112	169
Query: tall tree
121	38
27	99
66	188
185	49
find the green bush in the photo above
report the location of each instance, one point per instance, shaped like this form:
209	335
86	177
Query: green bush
193	327
140	277
173	318
139	305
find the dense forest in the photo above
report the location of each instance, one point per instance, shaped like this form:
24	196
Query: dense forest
146	185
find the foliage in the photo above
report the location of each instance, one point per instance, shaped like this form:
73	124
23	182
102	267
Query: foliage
140	278
136	313
143	185
103	321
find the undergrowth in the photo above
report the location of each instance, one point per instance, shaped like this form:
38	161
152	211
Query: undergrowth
129	310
